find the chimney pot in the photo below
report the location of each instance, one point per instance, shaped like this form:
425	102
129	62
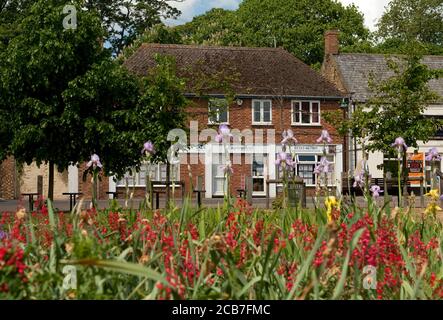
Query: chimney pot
331	42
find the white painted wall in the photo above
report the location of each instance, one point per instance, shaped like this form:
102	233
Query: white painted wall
73	179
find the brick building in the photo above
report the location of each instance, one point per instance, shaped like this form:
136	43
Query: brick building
274	91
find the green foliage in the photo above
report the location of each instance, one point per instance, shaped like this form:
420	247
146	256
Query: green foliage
36	68
162	104
401	99
126	20
157	34
407	21
99	109
11	13
298	26
215	27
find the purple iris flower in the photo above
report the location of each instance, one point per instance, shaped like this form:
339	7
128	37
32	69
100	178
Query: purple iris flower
3	235
433	155
325	137
375	191
148	148
284	158
323	166
288	138
359	180
227	169
223	133
400	144
94	162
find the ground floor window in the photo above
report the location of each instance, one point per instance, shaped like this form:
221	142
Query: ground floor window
157	173
305	169
258	173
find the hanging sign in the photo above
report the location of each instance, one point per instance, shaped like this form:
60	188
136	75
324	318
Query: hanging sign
416	165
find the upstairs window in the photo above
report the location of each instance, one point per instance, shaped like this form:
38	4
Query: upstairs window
218	111
305	113
261	112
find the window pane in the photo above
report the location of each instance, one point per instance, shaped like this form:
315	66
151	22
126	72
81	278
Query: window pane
163	172
306	112
258	166
257	111
315	112
142	175
306	158
223	115
296	112
306	172
266	111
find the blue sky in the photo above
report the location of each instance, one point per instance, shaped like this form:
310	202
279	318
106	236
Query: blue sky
372	9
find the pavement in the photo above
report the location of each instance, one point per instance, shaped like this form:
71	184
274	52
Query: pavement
63	205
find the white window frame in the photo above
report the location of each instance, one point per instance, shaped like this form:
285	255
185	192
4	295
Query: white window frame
293	102
218	113
136	176
331	181
261	101
265	174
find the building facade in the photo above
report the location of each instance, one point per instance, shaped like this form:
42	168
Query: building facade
350	72
273	92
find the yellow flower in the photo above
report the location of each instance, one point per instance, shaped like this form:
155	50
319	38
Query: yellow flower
330	203
433	194
432	208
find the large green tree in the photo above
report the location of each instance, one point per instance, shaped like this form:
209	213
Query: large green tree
36	68
123	20
296	25
407	21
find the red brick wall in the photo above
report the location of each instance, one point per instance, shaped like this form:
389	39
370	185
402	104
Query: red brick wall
240	117
85	187
7	179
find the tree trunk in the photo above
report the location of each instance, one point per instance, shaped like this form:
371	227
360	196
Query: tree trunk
51	181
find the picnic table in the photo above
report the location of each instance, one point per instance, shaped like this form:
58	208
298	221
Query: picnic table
31	196
72	198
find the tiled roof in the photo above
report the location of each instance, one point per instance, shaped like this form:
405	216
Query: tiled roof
258	71
355	69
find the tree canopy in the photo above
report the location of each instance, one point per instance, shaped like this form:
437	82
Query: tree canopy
296	25
64	98
407	21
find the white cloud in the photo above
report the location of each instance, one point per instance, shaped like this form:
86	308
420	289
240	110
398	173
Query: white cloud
372	10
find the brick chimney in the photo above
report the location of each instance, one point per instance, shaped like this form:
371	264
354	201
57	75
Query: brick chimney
331	42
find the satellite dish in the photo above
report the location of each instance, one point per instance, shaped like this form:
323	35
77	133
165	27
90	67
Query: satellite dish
239	102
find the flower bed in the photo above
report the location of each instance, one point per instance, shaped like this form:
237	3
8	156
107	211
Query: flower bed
234	252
